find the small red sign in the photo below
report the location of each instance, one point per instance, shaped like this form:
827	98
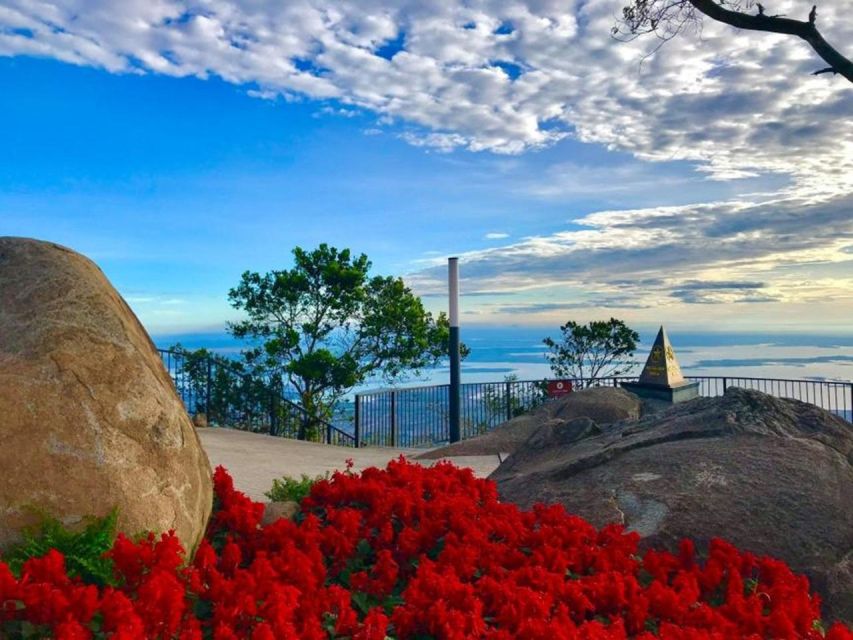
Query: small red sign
557	388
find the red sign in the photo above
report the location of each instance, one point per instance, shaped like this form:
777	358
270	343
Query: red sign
557	388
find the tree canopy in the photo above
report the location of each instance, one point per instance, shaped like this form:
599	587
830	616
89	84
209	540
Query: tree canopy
667	18
600	349
326	325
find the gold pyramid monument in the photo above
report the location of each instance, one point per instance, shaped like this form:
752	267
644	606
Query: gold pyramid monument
661	378
662	367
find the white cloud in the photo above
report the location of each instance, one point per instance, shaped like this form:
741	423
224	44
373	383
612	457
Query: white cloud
735	103
496	235
780	250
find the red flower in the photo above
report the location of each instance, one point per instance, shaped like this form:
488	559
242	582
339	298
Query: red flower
412	552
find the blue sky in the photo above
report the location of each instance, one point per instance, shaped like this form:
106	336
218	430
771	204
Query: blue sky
176	166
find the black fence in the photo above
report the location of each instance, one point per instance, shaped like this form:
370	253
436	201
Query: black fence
418	416
229	397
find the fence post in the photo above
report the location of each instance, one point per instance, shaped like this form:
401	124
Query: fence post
508	393
357	420
273	412
328	433
207	388
725	384
851	402
393	418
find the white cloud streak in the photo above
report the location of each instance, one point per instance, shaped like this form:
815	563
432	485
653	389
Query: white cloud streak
780	250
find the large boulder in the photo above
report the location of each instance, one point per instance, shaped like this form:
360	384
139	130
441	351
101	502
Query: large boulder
602	404
89	419
773	476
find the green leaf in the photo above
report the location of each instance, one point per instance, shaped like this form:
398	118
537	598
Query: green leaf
362	601
288	488
84	550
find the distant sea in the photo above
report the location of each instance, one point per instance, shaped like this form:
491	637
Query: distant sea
518	351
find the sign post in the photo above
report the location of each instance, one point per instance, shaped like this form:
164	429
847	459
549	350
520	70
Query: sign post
558	388
455	381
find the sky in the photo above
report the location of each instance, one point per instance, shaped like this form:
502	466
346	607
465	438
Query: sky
707	184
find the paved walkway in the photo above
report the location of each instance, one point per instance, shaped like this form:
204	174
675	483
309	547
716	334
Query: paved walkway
253	460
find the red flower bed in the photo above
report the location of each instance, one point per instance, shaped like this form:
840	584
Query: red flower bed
410	552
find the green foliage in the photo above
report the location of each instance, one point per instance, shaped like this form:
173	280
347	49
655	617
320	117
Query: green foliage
326	325
509	400
83	550
590	352
288	488
239	396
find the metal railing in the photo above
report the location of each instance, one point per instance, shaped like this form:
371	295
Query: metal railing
418	416
232	398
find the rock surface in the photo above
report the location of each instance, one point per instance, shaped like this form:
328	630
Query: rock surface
602	404
774	477
89	419
274	511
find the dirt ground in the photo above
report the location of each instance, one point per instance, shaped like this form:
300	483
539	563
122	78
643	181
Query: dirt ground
254	460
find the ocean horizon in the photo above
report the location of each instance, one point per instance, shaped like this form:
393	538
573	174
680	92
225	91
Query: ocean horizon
498	352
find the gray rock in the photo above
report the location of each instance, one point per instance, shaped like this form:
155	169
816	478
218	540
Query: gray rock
774	477
274	511
602	405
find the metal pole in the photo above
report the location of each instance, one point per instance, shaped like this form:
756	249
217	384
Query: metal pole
851	402
508	393
208	384
393	418
357	419
455	381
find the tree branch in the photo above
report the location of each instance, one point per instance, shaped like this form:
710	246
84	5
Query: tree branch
805	30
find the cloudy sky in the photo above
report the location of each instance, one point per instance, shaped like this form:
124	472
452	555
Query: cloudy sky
705	185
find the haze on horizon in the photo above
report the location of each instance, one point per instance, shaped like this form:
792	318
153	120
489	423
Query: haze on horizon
709	185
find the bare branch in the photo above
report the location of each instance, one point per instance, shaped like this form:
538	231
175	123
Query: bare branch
666	18
805	30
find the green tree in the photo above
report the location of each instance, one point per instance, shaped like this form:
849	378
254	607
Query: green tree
326	325
600	349
510	399
228	390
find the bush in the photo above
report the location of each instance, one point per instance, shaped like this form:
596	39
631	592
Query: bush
84	551
287	488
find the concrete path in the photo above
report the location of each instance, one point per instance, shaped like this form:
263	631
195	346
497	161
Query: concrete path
254	460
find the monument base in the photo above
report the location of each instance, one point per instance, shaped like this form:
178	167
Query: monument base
672	394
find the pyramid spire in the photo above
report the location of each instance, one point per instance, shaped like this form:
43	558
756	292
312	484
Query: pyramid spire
662	368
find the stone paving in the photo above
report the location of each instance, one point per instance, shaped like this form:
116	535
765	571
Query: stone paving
254	460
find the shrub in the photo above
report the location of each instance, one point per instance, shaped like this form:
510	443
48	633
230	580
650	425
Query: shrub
84	551
289	488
